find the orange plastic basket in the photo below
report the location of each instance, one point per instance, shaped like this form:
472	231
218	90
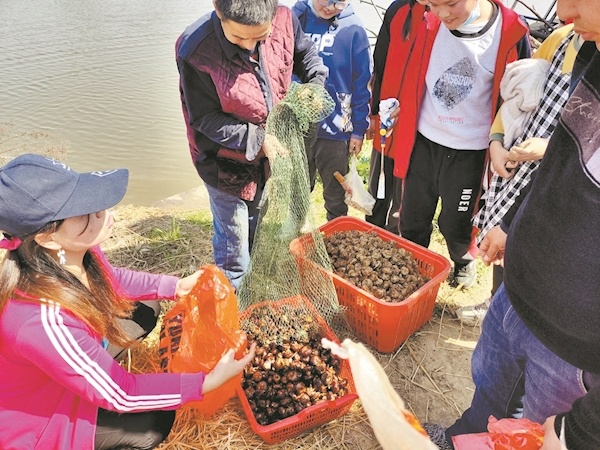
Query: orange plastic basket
314	415
384	326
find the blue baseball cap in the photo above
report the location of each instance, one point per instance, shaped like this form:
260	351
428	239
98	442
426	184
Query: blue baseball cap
36	190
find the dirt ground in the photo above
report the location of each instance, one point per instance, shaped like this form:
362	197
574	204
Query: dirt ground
430	371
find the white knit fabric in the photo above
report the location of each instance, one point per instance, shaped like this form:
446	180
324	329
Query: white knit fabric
521	89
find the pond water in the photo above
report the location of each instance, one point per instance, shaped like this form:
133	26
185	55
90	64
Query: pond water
101	76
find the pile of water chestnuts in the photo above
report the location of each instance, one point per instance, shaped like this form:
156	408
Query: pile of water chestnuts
290	370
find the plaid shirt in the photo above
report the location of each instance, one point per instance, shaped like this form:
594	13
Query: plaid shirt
503	193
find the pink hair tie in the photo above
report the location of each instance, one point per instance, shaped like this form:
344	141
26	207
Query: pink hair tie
10	242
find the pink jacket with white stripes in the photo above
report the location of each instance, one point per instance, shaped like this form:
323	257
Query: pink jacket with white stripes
55	374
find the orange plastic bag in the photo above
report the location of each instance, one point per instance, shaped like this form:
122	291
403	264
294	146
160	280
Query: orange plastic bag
199	329
503	434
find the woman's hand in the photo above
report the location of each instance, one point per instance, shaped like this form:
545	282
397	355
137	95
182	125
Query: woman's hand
184	285
227	368
499	157
531	149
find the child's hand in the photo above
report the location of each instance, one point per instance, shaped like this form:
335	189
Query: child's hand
492	246
389	110
227	368
499	158
355	146
185	285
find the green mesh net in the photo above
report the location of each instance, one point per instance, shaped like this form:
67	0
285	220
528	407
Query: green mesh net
275	272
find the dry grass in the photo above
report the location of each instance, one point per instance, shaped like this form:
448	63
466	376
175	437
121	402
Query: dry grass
157	241
430	370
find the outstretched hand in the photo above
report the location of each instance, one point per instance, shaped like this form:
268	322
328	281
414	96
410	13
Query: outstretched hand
530	149
227	368
184	285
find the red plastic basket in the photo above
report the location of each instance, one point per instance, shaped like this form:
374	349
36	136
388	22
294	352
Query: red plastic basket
314	415
384	326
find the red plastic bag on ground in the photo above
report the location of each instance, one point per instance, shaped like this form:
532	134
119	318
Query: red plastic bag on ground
503	434
199	329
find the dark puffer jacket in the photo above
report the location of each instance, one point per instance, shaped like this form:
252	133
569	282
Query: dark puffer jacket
227	95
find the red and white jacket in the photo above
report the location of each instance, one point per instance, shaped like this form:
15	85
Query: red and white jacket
406	66
55	374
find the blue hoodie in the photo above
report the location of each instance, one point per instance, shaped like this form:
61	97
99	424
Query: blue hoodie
343	44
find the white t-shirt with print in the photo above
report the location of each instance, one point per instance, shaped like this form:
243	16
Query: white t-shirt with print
456	110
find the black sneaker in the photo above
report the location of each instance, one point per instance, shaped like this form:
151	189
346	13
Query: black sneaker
465	275
437	435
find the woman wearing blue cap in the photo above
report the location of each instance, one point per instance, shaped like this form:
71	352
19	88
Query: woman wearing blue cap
59	298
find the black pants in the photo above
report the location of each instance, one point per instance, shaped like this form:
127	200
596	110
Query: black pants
142	322
384	208
454	176
132	431
135	431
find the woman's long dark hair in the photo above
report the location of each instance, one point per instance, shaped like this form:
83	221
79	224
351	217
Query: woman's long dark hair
30	273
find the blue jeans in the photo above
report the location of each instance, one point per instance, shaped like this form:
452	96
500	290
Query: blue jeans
515	375
234	223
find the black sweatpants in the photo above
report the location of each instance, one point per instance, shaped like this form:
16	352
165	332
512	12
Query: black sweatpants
384	208
454	176
134	431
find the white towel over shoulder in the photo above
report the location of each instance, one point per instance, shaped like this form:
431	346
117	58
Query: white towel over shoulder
521	89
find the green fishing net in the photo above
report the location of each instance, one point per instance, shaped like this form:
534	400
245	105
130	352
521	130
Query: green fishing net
275	272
